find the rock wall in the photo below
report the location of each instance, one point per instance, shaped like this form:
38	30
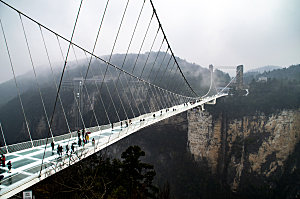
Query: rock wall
256	144
204	137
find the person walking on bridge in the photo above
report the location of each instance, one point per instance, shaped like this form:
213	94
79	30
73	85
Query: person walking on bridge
87	138
60	150
52	145
93	141
72	148
79	142
3	160
9	166
78	133
67	149
83	133
57	150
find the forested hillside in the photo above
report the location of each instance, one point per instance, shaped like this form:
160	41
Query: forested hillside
163	75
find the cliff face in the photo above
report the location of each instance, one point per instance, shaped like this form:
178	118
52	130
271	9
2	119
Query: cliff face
258	145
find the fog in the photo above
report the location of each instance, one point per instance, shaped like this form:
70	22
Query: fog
254	33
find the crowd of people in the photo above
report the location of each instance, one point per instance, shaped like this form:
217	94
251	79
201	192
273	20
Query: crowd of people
83	138
9	164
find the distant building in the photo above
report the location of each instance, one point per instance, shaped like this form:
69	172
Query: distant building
262	79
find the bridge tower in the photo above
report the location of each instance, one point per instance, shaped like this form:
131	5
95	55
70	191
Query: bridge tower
211	68
239	77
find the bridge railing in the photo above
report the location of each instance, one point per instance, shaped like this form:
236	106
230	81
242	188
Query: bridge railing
28	144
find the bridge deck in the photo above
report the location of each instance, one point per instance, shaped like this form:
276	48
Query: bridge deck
26	164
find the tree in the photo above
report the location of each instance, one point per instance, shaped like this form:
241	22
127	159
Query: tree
137	176
97	177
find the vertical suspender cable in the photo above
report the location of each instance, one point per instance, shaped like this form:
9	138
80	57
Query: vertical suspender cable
3	137
35	76
86	90
211	82
157	54
112	50
60	82
98	90
52	73
65	115
149	52
17	86
154	11
160	65
123	63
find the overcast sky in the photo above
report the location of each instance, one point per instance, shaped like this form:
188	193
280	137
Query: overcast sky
254	33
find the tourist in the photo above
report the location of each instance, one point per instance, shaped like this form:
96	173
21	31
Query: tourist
52	145
67	149
72	148
87	138
83	134
58	149
3	160
78	133
9	166
79	142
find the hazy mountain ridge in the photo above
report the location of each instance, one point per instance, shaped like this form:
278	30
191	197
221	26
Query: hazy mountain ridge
290	73
198	76
12	117
264	69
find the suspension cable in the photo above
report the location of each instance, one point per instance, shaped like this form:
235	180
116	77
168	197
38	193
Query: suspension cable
95	43
161	65
35	76
17	86
67	40
140	49
165	71
123	63
60	82
65	115
149	52
168	76
154	11
3	138
106	113
106	69
88	95
52	73
142	43
162	42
